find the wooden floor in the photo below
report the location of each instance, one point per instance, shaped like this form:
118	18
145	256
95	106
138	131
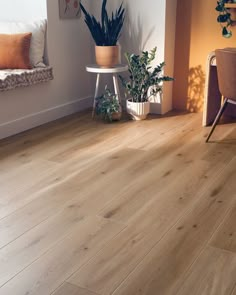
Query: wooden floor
88	208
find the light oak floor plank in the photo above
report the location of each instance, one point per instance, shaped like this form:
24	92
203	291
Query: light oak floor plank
115	261
182	172
155	217
127	208
214	273
69	289
48	272
234	291
77	189
164	267
33	244
27	179
225	237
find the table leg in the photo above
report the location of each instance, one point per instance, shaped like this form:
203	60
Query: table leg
96	94
116	87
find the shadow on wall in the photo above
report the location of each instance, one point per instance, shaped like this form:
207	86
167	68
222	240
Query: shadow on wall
196	86
133	39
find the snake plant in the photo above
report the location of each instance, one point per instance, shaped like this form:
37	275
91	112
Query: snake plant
106	32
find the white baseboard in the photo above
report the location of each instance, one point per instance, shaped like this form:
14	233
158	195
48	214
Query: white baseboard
45	116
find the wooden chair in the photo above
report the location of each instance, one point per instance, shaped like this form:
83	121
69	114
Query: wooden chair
226	72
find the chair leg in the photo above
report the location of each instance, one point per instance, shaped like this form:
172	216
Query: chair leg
221	111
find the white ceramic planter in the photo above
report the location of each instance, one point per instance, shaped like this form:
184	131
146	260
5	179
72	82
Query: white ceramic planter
138	110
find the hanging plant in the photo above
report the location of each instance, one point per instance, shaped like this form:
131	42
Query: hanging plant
224	18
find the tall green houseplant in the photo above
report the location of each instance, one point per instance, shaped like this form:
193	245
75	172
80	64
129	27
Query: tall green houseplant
144	81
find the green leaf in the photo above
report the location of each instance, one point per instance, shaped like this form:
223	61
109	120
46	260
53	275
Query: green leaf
143	75
226	33
108	31
223	18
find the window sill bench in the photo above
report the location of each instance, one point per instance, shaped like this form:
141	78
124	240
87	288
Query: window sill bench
11	79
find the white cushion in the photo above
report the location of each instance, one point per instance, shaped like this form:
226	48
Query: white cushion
38	29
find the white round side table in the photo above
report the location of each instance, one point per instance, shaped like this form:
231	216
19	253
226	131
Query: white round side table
114	71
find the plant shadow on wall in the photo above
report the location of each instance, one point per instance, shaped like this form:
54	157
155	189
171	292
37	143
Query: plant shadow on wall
133	39
196	84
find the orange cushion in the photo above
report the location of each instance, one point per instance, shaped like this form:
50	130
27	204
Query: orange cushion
14	51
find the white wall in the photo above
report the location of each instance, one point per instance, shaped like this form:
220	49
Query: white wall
148	24
170	25
69	50
22	9
144	26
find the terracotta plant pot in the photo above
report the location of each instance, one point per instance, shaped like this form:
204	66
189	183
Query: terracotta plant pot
107	56
138	110
116	116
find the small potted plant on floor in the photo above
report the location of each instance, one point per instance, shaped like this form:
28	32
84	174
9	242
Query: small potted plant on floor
143	82
106	34
108	106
